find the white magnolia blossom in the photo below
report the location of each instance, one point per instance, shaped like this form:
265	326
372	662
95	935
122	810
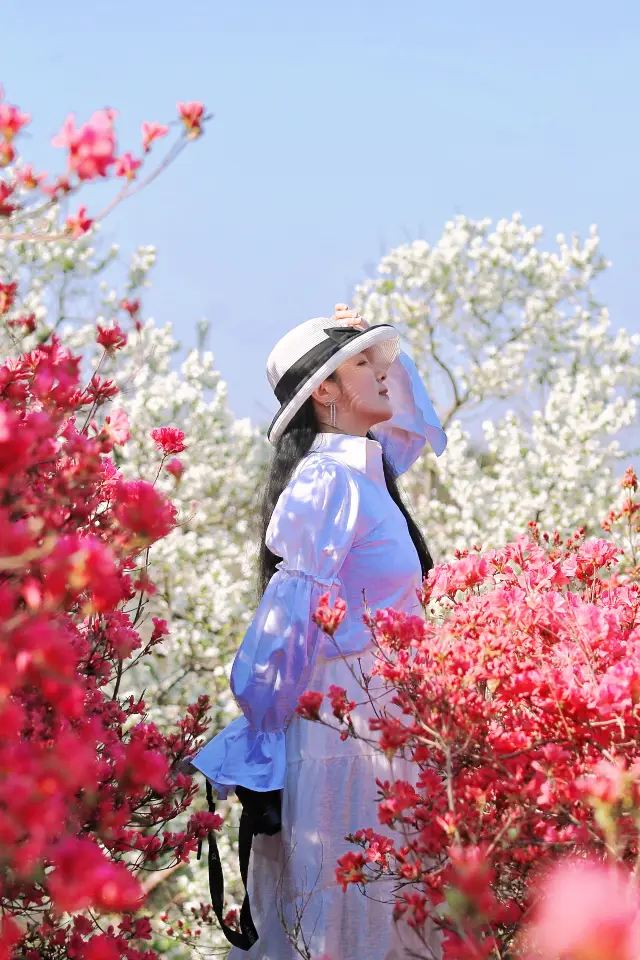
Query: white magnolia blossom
204	570
499	326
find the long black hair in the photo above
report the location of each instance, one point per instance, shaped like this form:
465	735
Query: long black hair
291	447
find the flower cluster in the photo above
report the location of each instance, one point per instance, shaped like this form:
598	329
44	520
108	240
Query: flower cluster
516	701
92	154
201	572
89	784
327	617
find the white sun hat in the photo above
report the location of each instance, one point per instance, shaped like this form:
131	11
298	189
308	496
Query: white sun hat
305	356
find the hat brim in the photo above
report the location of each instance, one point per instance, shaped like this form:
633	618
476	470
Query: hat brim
383	338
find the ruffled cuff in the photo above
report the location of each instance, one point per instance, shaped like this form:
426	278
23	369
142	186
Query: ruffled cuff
242	755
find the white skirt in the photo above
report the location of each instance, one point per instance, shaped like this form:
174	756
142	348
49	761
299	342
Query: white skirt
330	791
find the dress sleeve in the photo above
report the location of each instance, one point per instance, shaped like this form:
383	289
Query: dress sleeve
312	529
414	422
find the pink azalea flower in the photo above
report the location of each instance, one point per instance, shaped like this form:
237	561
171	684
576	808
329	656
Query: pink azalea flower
12	120
79	224
111	338
151	132
175	467
192	115
91	147
127	166
117	426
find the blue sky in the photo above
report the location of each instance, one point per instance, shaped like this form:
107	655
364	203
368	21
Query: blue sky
342	128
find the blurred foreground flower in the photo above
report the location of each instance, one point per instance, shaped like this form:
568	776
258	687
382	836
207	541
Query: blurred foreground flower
586	911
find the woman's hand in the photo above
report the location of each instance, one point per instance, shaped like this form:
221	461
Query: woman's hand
349	318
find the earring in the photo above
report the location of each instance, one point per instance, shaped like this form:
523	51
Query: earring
332	411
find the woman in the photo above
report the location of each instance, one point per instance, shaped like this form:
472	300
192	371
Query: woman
354	415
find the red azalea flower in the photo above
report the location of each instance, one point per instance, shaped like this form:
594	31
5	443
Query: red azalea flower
132	307
340	705
78	224
160	629
127	166
28	178
7	296
28	323
143	510
6	209
309	705
100	390
59	188
351	869
12	120
101	947
329	618
91	147
169	440
111	338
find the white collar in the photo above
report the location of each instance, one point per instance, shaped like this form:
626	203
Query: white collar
360	453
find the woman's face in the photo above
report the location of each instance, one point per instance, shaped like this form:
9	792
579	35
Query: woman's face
363	394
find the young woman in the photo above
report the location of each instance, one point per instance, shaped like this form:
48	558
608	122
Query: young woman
354	415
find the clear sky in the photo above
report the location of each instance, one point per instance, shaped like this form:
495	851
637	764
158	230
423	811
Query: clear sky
342	128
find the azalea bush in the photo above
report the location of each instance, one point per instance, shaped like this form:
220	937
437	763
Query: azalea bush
93	796
55	281
87	786
65	286
516	702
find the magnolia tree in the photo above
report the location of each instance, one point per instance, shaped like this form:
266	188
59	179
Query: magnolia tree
515	699
499	326
202	571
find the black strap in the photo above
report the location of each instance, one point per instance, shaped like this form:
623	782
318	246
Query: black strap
247	935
